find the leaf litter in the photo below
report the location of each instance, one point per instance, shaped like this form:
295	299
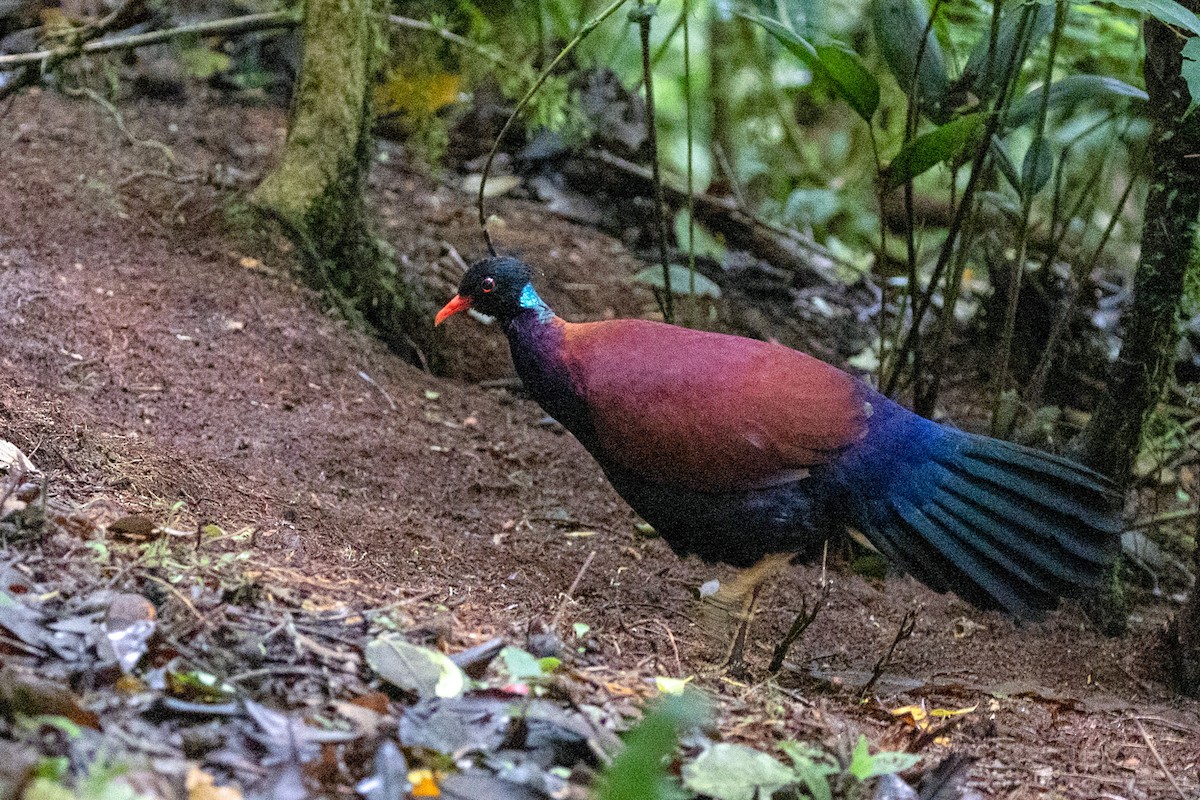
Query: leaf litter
225	701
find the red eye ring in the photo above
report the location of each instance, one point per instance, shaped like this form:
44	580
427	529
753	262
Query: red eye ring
488	284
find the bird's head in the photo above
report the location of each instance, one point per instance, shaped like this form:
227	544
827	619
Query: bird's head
498	287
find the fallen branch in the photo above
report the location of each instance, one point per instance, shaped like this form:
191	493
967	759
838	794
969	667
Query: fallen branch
121	16
1158	758
217	27
230	26
776	244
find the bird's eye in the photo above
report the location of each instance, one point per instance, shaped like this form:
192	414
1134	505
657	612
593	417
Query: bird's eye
487	284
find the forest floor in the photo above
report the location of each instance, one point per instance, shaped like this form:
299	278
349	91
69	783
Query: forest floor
152	364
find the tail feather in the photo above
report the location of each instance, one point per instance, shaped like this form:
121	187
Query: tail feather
986	583
1039	477
1054	565
1002	525
1054	534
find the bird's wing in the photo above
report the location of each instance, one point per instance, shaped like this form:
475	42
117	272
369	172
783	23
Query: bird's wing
709	411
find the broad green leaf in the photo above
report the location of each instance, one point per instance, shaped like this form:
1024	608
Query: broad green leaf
1071	91
834	63
735	772
1167	11
520	664
1191	69
203	62
1037	20
900	26
1037	167
680	281
929	149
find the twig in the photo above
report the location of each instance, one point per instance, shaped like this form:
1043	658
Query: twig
176	592
231	25
907	625
583	33
449	36
803	620
562	606
279	669
119	119
391	403
81	36
1157	757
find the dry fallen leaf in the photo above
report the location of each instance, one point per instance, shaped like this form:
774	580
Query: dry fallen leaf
201	786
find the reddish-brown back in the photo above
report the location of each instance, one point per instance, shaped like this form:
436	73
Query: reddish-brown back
709	411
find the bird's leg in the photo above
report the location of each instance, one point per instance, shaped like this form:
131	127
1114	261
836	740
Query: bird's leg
735	600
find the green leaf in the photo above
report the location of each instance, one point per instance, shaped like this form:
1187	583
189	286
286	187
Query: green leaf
1191	69
929	149
521	664
581	629
1038	19
45	789
814	767
639	772
900	26
1069	92
202	62
864	766
702	241
1004	162
836	64
735	772
1037	168
680	281
1167	11
425	672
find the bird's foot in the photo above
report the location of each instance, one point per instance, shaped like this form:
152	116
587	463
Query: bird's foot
729	612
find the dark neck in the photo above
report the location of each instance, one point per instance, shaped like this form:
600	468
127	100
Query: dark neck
536	339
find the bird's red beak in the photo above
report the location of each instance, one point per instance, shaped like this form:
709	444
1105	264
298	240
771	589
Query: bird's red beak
459	303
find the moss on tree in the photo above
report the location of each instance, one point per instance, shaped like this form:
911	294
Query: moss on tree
317	190
1144	368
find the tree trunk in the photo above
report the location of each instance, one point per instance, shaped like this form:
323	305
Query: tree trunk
1136	382
1183	642
317	190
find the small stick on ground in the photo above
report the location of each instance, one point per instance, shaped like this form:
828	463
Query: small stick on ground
562	607
391	403
907	626
1157	757
805	618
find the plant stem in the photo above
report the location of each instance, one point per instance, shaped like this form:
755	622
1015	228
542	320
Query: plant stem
666	300
1000	378
584	32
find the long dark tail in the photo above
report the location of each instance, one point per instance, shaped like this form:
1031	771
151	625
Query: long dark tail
1003	526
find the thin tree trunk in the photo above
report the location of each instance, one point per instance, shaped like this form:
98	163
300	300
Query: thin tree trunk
317	190
1144	368
1136	382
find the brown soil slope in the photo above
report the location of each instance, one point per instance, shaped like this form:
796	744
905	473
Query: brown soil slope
146	359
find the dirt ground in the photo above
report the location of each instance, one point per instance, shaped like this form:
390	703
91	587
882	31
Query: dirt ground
147	358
